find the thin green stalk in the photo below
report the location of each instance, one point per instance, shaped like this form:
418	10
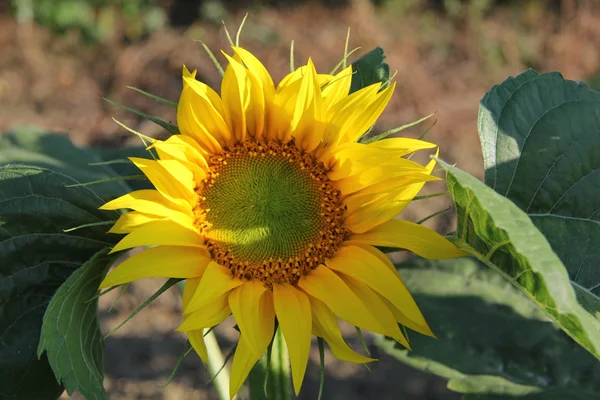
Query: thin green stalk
322	362
270	377
215	361
280	368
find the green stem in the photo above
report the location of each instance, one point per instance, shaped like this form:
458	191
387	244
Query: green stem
215	361
280	368
270	377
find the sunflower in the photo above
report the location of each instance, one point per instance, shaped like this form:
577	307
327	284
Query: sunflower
272	210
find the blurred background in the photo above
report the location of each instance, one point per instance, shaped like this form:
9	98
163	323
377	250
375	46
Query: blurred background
59	57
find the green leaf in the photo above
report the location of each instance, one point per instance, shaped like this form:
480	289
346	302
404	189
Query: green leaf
540	136
32	146
45	149
492	342
497	232
370	69
36	257
71	334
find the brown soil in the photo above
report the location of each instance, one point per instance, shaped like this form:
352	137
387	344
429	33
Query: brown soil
444	66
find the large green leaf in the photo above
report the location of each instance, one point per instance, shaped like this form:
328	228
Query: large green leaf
32	146
36	257
540	137
369	69
498	233
491	341
71	333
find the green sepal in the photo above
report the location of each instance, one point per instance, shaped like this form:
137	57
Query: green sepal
173	129
153	96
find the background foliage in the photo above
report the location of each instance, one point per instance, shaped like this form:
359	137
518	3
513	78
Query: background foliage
99	20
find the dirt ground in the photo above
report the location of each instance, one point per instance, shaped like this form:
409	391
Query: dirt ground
444	65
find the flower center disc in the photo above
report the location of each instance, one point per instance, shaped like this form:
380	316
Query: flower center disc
269	212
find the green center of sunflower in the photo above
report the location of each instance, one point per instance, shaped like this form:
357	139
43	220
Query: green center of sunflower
269	212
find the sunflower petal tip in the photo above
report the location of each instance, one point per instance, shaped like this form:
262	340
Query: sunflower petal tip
105	284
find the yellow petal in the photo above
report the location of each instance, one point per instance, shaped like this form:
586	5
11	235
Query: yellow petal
307	120
215	282
422	326
392	169
187	74
262	91
252	306
344	112
198	118
215	109
182	148
368	269
292	78
258	69
180	151
208	316
160	233
401	234
131	221
379	309
243	361
377	253
148	201
396	189
196	339
338	88
292	308
365	118
404	320
235	90
286	102
355	158
189	289
323	284
325	326
170	178
366	210
296	75
161	261
402	145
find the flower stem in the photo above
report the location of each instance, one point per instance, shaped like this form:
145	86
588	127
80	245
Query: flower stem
215	361
270	377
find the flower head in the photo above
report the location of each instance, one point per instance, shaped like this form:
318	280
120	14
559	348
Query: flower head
271	209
